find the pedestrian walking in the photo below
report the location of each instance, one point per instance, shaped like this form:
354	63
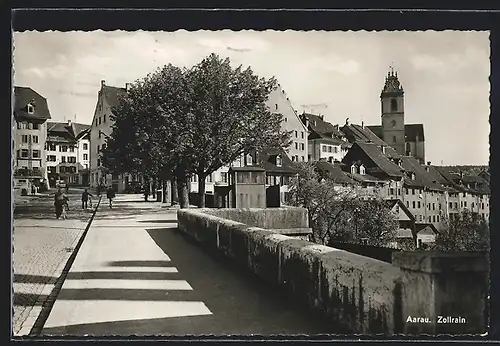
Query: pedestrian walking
110	194
60	203
85	199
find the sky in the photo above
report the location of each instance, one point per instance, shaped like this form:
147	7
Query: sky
445	74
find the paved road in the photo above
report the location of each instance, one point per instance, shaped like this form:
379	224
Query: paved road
42	246
136	275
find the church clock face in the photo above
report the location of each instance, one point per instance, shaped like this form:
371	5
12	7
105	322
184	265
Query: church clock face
393	123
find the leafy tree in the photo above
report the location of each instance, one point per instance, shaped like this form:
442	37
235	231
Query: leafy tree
468	232
151	130
228	117
339	213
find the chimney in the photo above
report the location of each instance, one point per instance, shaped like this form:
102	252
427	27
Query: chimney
383	149
321	116
428	163
306	122
127	86
362	124
69	122
103	83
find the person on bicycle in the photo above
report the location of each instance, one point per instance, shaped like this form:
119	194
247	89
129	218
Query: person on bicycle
110	194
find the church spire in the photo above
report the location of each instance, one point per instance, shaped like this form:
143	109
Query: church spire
392	86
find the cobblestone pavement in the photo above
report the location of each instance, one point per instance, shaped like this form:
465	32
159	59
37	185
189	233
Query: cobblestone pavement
41	247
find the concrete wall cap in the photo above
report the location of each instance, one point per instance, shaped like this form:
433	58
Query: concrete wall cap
321	249
278	237
441	262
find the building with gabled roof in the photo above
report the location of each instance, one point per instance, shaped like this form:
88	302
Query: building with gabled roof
278	102
31	112
325	141
101	128
68	150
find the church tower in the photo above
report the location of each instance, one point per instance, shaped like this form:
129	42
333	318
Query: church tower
393	115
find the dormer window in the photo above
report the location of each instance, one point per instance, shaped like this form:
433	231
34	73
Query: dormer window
362	170
353	169
30	109
249	160
412	176
279	163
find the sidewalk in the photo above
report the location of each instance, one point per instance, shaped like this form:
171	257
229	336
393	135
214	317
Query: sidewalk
41	247
136	275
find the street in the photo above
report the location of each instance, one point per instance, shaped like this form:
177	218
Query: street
136	275
41	247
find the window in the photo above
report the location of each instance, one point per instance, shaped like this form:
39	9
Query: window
276	106
223	177
397	208
296	134
391	191
430	218
428	206
19	125
465	194
456	205
420	217
278	161
71	149
302	147
419	205
465	204
85	146
36	154
24	138
394	105
85	156
437	218
194	178
209	178
35	139
433	206
303	158
329	148
433	218
30	109
98	148
302	134
52	147
335	150
296	145
412	191
297	158
439	206
451	205
394	139
361	170
63	148
309	157
472	206
323	148
99	120
104	118
413	204
286	120
407	204
24	153
63	159
98	162
62	169
71	159
249	159
353	169
36	126
99	133
482	205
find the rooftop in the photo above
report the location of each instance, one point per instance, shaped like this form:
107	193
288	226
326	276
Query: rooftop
23	96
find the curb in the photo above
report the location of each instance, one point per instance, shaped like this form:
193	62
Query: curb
49	302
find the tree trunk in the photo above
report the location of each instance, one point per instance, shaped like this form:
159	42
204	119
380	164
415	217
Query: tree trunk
175	192
153	188
201	190
182	187
164	188
146	189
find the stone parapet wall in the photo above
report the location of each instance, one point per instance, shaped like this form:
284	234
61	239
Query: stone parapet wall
358	294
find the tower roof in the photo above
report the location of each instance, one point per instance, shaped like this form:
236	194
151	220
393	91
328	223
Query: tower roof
392	84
